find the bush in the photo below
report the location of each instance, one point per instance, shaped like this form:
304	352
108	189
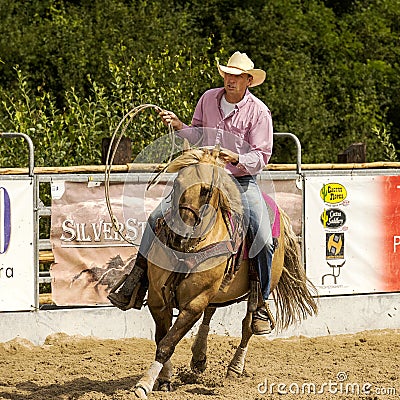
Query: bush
73	136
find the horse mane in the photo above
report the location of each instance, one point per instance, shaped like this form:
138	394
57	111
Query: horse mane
189	157
230	200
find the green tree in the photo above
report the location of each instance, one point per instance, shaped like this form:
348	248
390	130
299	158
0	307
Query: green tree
332	70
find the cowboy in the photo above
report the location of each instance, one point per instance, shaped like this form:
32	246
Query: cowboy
244	131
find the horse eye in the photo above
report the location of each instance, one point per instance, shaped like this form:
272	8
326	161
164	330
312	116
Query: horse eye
204	191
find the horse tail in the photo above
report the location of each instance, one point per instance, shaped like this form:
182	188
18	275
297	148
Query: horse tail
294	293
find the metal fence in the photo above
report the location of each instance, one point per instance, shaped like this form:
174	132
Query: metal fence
44	176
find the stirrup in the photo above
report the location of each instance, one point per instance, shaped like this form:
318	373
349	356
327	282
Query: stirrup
252	301
116	297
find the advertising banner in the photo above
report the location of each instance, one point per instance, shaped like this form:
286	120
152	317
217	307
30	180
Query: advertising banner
352	233
17	261
90	255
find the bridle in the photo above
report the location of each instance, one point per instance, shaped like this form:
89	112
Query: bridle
197	213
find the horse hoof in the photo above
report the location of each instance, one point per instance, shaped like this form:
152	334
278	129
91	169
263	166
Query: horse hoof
198	366
140	393
164	386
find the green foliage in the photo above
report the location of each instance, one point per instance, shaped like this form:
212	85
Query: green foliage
70	70
387	149
73	136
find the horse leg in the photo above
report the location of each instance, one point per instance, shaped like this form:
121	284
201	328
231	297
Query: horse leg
236	366
199	347
165	348
162	326
161	372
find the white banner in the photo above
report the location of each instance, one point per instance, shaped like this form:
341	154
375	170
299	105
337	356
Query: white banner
343	237
17	264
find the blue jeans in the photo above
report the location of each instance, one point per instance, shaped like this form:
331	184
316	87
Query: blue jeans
259	233
261	248
148	234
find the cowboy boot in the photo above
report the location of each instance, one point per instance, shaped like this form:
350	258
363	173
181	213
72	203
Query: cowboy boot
254	295
262	320
261	324
130	291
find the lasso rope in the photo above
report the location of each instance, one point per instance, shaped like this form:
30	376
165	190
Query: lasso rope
116	137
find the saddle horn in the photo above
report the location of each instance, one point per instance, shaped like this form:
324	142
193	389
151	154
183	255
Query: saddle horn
216	150
186	145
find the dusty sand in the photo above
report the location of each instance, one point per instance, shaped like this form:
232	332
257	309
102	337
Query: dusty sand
83	368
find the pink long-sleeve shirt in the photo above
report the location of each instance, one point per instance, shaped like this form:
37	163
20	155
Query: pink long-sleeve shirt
247	130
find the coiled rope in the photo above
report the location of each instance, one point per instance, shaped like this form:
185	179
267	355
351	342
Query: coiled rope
112	149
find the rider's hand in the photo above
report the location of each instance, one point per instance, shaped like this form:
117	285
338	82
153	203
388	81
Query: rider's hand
229	156
169	118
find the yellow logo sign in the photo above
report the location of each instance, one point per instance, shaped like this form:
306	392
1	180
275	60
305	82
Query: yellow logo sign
334	245
333	193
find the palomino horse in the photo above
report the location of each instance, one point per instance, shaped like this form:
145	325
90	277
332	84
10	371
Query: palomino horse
190	266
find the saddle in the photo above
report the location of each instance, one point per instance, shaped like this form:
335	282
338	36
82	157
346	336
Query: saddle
274	217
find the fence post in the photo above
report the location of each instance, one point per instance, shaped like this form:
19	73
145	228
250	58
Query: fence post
355	153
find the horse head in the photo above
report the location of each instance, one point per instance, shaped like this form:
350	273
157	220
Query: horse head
202	190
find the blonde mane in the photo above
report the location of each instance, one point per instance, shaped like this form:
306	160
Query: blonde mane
231	199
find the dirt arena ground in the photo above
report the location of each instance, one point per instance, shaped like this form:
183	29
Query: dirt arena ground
359	366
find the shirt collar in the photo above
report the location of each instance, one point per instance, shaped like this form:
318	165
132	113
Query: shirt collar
238	105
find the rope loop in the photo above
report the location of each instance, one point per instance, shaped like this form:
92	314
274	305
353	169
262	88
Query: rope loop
116	138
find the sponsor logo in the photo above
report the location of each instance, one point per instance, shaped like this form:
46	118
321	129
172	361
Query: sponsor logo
99	233
5	220
334	246
336	268
333	218
333	193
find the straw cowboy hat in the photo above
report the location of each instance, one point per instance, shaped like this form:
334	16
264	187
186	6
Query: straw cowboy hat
240	63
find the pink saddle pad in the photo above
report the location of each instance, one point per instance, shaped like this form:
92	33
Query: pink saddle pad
274	215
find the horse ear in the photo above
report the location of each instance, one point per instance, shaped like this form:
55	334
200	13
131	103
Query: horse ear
216	150
186	145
